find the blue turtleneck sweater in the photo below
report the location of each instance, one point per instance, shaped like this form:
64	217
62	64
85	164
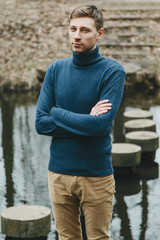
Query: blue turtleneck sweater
81	143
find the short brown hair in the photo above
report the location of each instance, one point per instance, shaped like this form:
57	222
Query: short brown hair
89	11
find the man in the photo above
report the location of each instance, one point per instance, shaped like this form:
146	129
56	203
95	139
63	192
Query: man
79	99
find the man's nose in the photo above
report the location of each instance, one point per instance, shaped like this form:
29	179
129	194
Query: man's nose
77	35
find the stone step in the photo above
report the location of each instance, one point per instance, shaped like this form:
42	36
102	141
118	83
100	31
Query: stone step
27	221
148	141
129	44
137	114
131	17
149	47
133	37
136	34
131	10
125	25
123	54
125	155
140	125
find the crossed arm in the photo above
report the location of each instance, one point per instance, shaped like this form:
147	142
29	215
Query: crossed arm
101	107
58	122
45	125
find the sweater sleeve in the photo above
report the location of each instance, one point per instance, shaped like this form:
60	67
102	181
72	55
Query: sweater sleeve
44	122
89	125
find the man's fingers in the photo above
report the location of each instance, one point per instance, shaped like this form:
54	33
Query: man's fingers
101	107
97	108
102	102
105	106
101	112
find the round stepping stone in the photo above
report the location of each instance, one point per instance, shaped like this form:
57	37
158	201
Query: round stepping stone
149	141
140	125
27	221
137	114
125	155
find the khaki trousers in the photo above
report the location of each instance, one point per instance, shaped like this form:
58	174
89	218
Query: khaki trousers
94	194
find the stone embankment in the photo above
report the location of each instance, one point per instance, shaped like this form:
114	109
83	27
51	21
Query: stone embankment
34	33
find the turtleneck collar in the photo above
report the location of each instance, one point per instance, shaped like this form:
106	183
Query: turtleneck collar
86	59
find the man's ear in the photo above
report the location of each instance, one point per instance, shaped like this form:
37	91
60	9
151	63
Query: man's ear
100	33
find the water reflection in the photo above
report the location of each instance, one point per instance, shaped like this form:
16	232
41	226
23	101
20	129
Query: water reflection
7	110
121	209
144	204
24	161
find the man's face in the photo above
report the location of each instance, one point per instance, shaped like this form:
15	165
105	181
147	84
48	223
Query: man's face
83	34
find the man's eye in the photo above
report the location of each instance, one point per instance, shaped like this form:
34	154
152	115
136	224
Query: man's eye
85	30
72	29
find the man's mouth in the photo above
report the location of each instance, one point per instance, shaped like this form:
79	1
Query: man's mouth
77	44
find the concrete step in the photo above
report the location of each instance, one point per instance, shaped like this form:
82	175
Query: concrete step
125	25
142	36
132	37
26	221
132	55
148	141
126	155
131	10
140	125
135	52
133	17
148	46
137	114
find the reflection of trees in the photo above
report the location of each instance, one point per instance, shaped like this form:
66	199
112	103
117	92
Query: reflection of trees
148	170
121	209
7	106
21	147
24	146
144	205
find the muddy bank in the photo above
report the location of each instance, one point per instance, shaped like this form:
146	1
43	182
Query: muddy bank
34	33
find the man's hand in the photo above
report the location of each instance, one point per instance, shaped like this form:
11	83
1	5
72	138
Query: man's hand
101	107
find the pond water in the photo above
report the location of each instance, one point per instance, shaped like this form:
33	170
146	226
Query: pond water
24	161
